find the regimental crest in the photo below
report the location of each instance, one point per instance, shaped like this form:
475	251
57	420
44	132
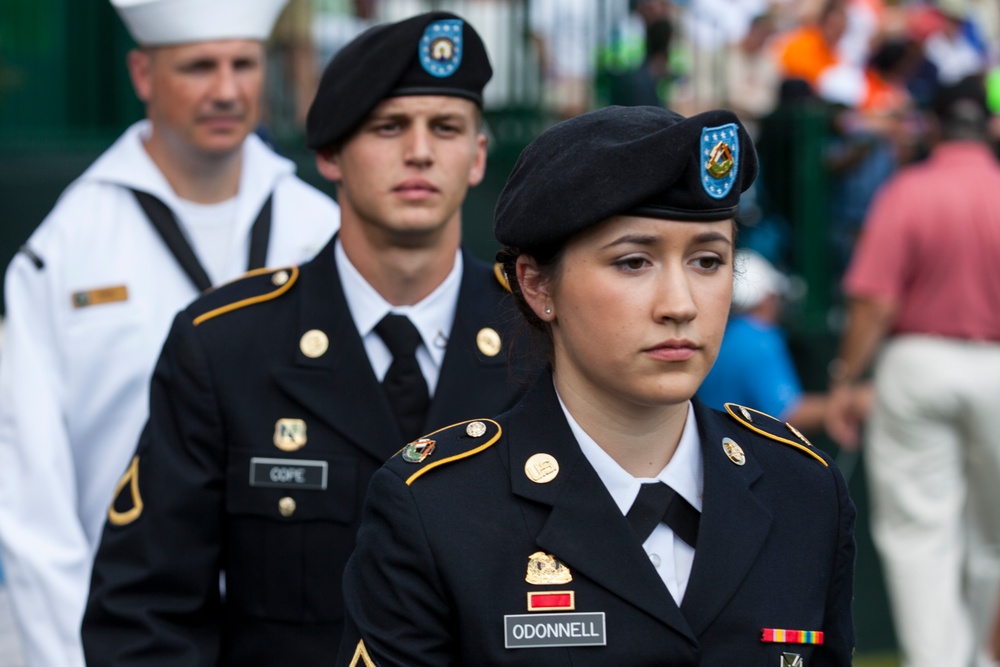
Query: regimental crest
418	450
545	568
720	158
441	47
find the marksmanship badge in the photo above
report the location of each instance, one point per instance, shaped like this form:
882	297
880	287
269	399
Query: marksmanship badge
720	158
440	48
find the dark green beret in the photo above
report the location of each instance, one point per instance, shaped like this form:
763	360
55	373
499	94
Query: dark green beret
644	161
430	54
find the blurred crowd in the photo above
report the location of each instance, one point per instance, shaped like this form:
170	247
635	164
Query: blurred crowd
833	90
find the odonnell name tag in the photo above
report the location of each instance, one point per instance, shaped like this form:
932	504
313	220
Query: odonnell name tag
574	629
288	473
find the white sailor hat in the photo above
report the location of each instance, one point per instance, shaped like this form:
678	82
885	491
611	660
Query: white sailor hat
163	22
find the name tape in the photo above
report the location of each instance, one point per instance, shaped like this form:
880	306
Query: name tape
288	473
573	629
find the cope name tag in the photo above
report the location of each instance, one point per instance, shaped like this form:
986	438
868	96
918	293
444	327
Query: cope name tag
288	473
572	629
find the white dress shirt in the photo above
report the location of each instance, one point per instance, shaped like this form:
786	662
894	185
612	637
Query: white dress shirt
684	473
432	316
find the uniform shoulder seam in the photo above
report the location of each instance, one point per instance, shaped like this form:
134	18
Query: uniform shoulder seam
292	275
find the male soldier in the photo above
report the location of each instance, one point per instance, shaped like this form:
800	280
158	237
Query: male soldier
183	200
267	415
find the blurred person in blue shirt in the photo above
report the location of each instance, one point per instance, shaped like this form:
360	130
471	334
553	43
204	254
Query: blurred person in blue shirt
754	367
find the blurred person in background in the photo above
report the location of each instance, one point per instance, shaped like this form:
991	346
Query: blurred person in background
869	142
807	52
752	74
755	367
923	292
184	200
568	36
647	84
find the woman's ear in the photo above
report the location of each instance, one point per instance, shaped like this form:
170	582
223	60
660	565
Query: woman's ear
536	287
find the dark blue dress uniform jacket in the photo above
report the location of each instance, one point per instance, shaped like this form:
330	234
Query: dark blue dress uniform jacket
441	561
217	392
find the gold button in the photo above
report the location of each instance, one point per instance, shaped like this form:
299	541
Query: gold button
279	278
475	429
488	341
286	506
314	343
541	468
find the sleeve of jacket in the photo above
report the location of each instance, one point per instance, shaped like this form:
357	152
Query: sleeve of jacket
154	596
45	551
397	611
839	638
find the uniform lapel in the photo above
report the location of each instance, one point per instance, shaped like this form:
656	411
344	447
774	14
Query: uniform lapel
466	373
584	528
734	525
339	387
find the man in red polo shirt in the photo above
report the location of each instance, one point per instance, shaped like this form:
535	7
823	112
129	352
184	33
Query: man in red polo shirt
924	285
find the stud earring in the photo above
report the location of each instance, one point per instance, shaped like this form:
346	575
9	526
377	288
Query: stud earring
548	311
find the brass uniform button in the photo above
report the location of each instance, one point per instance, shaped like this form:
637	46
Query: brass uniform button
488	341
314	343
286	506
279	278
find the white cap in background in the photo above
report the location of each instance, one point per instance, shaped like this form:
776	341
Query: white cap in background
166	22
754	278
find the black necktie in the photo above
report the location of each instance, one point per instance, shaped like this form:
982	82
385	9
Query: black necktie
404	384
657	502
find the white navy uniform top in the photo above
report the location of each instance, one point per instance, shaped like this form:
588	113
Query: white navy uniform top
85	323
684	473
432	316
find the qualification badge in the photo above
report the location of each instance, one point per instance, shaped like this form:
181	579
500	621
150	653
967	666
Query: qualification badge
289	434
440	47
791	660
720	152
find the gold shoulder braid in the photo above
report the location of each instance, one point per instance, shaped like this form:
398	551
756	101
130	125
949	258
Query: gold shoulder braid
283	279
501	276
773	429
451	443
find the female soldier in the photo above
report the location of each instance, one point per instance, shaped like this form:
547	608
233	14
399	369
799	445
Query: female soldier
609	518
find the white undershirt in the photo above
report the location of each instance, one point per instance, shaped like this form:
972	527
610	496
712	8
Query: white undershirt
684	473
433	317
209	228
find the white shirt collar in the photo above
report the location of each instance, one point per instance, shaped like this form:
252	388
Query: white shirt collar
684	473
433	315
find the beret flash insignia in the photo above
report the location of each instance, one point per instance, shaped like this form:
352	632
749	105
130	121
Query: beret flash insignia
441	47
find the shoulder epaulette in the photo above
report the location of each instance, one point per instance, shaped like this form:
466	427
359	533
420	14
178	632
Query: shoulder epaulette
773	429
451	443
501	276
281	279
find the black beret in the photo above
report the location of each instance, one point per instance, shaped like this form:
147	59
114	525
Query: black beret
644	161
430	54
